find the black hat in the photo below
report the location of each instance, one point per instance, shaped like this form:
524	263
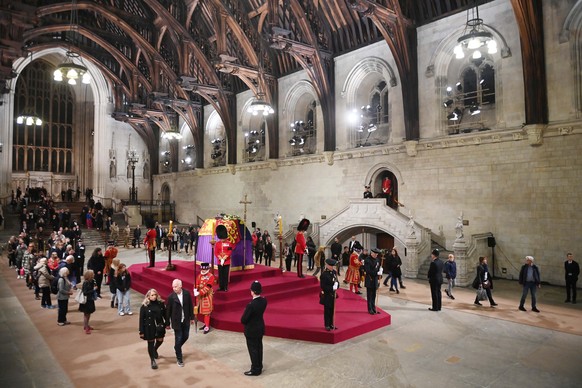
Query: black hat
256	287
331	262
204	265
303	225
376	250
435	252
357	246
149	222
221	232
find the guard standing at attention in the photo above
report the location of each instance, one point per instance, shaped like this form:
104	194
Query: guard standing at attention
150	242
205	294
222	251
329	285
373	271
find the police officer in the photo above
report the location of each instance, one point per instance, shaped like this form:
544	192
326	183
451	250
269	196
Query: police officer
373	271
329	285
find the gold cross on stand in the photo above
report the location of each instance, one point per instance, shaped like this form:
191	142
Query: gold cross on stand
245	202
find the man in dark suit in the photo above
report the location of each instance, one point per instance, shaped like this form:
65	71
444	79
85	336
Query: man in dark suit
373	270
572	270
435	279
180	314
252	318
336	254
354	243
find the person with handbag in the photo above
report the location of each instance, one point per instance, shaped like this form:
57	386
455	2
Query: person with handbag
89	289
152	323
484	280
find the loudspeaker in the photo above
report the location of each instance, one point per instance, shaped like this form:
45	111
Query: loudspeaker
253	224
491	242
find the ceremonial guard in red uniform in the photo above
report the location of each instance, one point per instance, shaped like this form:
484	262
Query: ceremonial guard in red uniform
205	294
109	255
353	272
222	251
300	245
150	243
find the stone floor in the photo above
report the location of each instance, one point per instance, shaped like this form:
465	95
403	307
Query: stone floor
461	346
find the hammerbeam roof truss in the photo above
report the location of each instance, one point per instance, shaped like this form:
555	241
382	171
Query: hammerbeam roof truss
208	50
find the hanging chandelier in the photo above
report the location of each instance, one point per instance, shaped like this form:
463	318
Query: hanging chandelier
475	38
28	119
71	71
260	106
171	135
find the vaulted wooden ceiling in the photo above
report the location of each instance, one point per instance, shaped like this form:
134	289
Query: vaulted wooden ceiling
177	55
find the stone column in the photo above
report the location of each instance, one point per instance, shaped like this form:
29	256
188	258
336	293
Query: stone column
464	278
412	264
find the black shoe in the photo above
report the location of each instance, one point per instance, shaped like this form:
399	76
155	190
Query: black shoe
358	292
478	303
328	328
202	328
154	364
112	305
401	286
522	308
535	310
385	284
452	297
493	304
398	292
251	373
431	309
392	289
333	327
447	292
376	312
180	363
371	313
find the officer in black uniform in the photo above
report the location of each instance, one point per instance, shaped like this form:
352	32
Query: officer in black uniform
373	271
329	285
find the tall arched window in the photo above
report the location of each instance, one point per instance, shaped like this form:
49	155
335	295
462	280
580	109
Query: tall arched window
36	93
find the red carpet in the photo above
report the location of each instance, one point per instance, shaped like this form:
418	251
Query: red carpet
293	309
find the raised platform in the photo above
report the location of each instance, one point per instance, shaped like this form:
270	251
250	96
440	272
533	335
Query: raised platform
293	309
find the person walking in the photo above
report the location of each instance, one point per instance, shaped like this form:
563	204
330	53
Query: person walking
319	260
254	323
152	323
180	315
571	270
484	280
435	279
96	263
394	263
123	287
329	285
529	278
450	270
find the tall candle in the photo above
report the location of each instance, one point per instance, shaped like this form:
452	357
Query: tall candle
171	222
280	225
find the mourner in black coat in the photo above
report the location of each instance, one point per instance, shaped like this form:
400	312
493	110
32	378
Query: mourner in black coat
329	284
435	279
252	318
152	323
179	305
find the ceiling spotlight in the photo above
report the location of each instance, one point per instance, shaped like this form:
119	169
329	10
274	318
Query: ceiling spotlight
474	110
448	103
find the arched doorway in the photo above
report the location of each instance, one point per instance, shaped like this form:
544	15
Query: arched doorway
165	193
386	186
